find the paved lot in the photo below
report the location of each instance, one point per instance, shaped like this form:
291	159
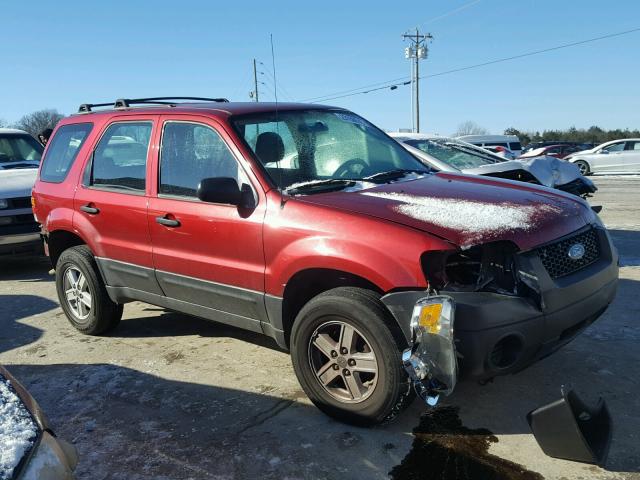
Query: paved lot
167	396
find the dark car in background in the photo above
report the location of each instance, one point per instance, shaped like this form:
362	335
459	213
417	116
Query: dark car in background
557	151
534	145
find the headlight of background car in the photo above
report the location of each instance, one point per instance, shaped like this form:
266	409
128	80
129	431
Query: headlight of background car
4	203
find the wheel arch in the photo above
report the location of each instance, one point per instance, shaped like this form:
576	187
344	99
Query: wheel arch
60	240
308	283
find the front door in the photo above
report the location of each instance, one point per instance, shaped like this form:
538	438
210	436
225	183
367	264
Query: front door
205	255
111	204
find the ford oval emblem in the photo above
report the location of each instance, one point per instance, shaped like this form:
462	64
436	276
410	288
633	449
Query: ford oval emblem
576	251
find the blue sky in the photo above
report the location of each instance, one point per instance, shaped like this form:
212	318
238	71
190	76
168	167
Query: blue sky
61	54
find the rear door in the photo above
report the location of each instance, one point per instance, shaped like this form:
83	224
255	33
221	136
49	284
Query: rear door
111	203
206	255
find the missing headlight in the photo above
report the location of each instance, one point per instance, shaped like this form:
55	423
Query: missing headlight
489	267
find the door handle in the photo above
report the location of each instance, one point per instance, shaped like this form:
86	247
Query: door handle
89	209
168	222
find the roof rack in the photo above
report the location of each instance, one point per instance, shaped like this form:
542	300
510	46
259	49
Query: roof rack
127	102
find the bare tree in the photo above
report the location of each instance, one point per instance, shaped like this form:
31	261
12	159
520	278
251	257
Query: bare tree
470	128
2	123
36	122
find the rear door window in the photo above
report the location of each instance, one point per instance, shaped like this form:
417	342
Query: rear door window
62	151
515	146
120	159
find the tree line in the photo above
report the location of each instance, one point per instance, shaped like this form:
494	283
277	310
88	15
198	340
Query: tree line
594	134
36	122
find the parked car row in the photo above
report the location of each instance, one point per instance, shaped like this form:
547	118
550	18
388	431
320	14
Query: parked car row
617	156
453	155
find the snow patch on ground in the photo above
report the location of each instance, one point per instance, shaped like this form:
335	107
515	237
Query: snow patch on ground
473	219
18	431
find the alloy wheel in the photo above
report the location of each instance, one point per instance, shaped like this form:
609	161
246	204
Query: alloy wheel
77	293
343	361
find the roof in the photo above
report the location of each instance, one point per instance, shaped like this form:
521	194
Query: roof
224	109
12	130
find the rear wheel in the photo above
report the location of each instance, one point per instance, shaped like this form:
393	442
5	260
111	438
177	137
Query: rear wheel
583	166
347	359
82	293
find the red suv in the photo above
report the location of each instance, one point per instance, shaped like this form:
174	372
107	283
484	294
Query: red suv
312	226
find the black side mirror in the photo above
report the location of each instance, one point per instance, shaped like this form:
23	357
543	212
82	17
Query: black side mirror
225	190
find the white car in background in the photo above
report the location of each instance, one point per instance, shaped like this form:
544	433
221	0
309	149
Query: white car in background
20	155
617	156
452	155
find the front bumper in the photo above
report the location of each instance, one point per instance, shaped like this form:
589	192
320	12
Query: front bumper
496	334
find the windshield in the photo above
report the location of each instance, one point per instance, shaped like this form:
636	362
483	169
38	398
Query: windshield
329	146
453	152
19	148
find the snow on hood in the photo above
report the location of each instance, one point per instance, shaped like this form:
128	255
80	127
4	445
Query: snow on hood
471	218
18	430
467	210
17	183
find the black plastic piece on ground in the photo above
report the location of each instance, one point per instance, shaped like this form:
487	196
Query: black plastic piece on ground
596	208
569	429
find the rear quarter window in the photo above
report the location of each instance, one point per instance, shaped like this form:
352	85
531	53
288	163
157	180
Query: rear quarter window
515	146
63	150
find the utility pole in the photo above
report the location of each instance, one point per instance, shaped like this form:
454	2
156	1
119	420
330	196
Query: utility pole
416	51
254	94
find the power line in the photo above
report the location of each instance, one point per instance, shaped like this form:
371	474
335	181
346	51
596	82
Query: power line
452	12
322	97
393	82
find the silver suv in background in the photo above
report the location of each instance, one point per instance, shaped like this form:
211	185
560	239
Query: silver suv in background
20	155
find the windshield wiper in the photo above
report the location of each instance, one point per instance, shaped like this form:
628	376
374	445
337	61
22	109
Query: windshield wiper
317	186
391	175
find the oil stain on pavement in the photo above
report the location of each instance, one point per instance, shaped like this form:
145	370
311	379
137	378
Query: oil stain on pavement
445	449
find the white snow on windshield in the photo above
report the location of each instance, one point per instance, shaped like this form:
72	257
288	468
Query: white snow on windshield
18	431
474	219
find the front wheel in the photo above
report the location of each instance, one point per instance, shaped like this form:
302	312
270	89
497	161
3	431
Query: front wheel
347	358
583	166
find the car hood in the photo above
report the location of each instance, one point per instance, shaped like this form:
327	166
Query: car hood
549	171
467	210
17	183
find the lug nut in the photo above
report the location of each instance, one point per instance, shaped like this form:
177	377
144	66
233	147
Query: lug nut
334	354
344	351
336	367
351	362
346	372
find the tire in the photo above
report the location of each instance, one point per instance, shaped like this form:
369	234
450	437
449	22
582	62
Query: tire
92	315
583	166
375	344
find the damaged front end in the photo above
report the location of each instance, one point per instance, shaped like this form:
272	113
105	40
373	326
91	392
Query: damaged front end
431	360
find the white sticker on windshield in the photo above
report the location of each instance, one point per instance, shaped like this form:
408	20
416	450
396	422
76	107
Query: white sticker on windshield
348	117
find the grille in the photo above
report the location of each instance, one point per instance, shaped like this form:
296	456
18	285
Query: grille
21	202
555	257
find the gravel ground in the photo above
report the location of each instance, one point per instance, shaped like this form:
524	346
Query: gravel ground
168	396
